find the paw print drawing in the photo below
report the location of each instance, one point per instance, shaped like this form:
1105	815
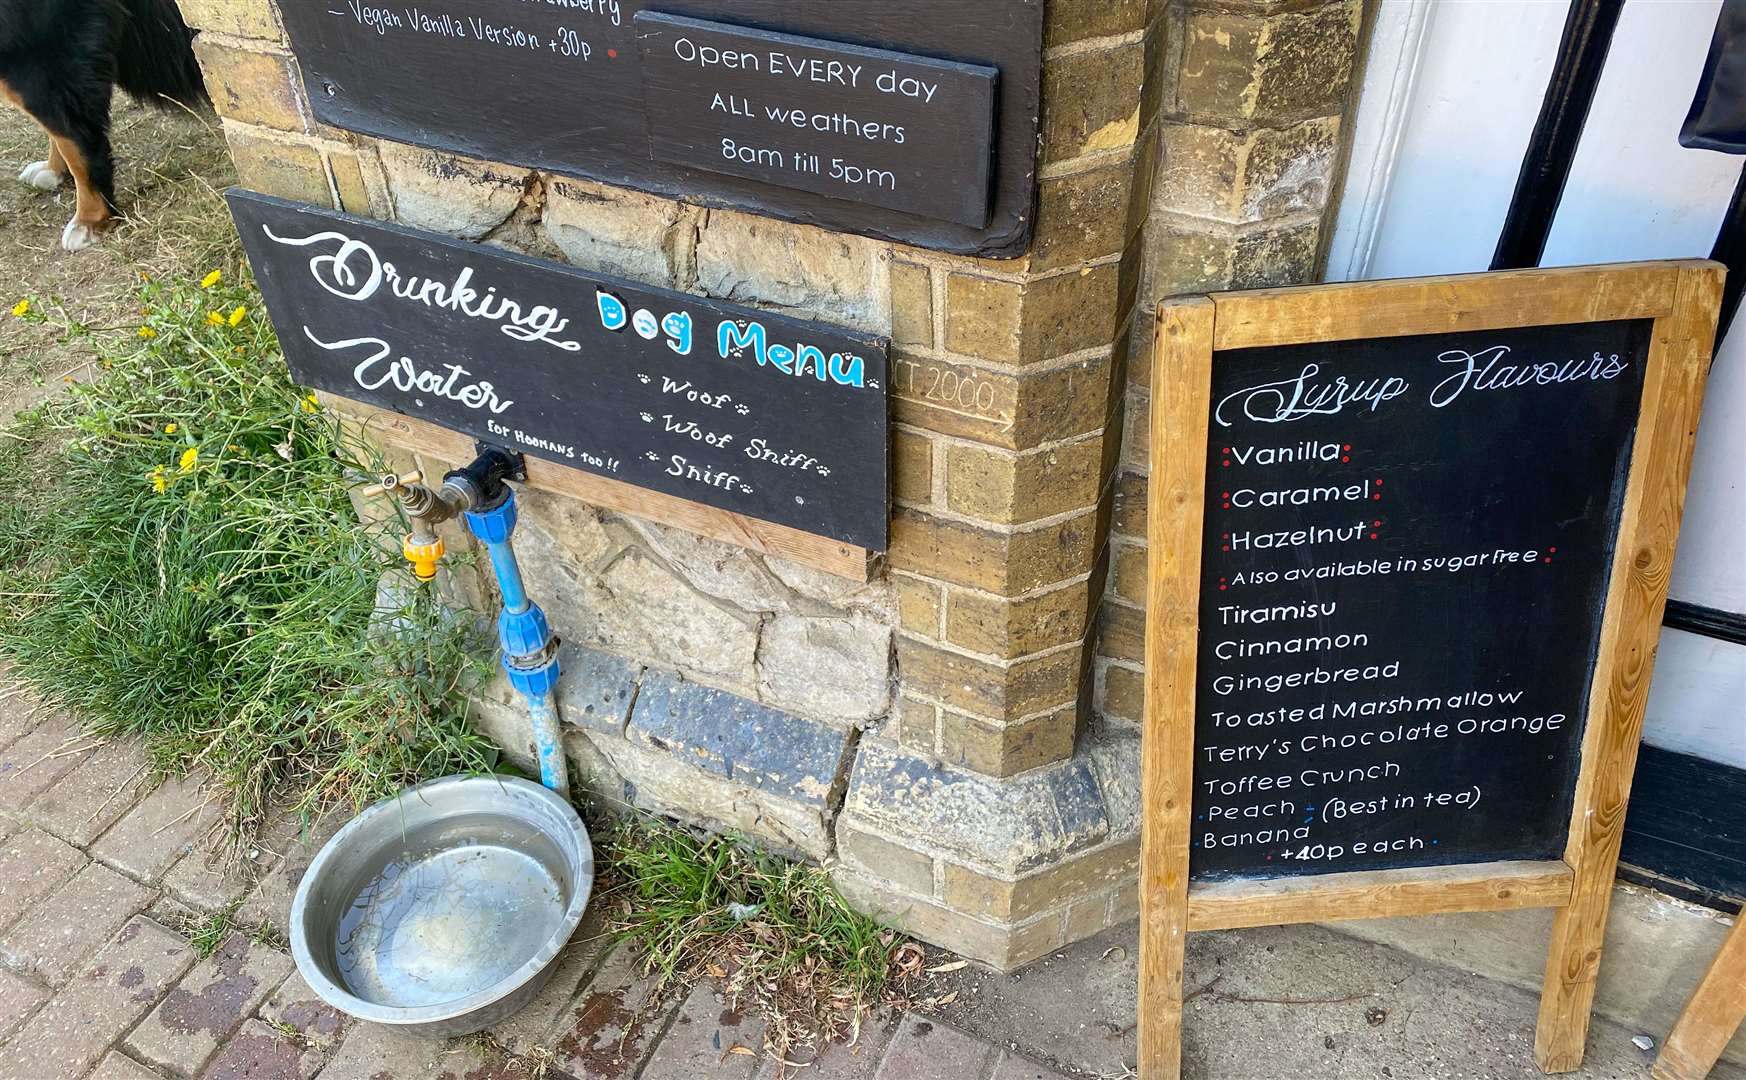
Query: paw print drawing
644	379
742	410
647	419
651	455
823	471
747	488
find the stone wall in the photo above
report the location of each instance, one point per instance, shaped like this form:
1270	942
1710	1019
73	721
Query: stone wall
932	734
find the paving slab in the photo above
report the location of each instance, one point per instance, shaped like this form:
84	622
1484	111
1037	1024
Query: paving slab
210	1003
160	829
609	1025
1018	1068
72	922
374	1052
121	1067
257	1052
269	902
20	709
296	1007
94	795
858	1060
208	880
33	864
539	1025
19	997
31	764
120	983
926	1049
708	1037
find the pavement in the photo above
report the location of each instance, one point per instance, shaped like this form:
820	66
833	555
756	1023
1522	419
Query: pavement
104	877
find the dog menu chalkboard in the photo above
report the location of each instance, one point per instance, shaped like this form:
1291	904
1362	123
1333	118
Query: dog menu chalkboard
1405	556
1408	552
909	120
769	417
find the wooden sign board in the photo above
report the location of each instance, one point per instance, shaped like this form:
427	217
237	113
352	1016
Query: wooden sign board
771	418
908	120
1409	550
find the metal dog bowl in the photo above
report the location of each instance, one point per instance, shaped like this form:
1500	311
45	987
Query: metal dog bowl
443	910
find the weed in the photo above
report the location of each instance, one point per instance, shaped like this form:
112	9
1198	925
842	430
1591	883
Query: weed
777	932
180	561
208	932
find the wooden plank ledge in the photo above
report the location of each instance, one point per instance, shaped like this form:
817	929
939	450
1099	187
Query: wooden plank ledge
768	538
1369	894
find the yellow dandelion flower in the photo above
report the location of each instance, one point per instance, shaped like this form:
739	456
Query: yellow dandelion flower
190	457
160	482
238	315
310	404
171	428
147	332
21	307
211	279
213	318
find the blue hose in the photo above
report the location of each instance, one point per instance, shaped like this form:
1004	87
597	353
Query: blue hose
530	654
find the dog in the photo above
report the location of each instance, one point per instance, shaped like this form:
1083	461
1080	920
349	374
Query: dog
59	62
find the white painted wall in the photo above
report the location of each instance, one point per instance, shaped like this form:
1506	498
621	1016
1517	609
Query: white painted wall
1449	99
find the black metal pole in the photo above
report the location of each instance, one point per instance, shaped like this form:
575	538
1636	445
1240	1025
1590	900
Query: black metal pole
1576	72
1730	251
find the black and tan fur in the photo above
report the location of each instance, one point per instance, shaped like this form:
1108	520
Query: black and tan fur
60	60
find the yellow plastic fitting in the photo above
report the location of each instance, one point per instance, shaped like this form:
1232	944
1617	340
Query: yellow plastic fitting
423	557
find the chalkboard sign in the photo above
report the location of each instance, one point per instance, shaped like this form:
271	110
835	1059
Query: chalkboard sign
768	417
1408	553
910	120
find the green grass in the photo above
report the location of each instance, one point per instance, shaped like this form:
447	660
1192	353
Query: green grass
180	562
777	932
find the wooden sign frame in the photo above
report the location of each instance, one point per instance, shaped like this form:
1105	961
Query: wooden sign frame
1682	299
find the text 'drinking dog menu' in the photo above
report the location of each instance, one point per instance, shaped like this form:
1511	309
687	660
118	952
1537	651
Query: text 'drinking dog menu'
1406	552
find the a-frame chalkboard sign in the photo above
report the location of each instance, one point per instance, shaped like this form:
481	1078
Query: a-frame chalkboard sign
1409	550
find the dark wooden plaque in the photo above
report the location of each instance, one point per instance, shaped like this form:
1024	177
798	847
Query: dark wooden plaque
775	418
594	88
1407	551
904	132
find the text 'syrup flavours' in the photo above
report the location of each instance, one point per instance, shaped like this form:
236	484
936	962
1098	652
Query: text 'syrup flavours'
1406	550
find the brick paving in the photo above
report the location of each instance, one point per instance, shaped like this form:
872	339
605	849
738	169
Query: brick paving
100	876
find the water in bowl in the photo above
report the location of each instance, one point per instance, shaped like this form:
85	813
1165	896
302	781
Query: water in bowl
449	911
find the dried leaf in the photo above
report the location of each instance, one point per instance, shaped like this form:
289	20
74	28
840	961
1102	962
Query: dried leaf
718	971
948	999
953	966
744	1051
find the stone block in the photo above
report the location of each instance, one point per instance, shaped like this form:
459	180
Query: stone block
912	305
250	87
1017	410
1004	947
1129	582
925	1049
919	602
983	317
121	982
1284	255
1091	101
996	749
612	230
738	740
243	18
1005	827
1248	175
672	624
288	169
1280	65
212	1001
1015	489
72	922
258	1052
917	725
754	260
1071	312
36	762
910	870
348	181
1136	431
159	830
830	668
595	689
296	1007
19	997
1093	873
1000	690
708	1038
1122	632
1081	216
33	864
1004	563
450	194
94	795
1131	492
716	568
912	467
1124	693
996	626
1075	20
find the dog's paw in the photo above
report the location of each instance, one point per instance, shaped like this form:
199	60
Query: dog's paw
78	236
38	175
